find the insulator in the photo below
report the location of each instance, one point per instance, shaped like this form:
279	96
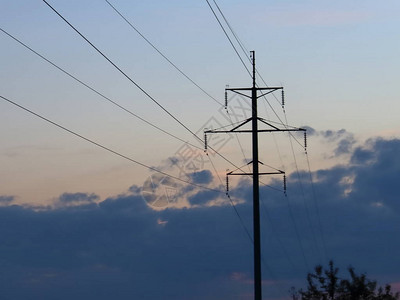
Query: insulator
305	139
205	142
226	100
227	183
283	98
284	183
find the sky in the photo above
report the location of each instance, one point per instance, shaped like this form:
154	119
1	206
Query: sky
80	221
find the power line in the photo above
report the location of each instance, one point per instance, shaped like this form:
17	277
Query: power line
130	159
242	46
285	124
317	207
162	54
242	221
174	65
92	89
244	51
277	236
106	148
97	92
255	170
297	232
118	105
304	198
129	78
121	71
136	84
227	36
232	203
192	81
303	194
111	101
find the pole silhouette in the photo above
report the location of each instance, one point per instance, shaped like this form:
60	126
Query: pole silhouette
254	120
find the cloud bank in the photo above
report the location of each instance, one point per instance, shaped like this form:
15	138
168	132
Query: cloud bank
122	248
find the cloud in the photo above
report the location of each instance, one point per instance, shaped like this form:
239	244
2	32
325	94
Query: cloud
123	248
120	248
362	156
202	177
332	135
310	131
182	189
378	179
357	205
345	145
77	198
203	197
5	200
343	140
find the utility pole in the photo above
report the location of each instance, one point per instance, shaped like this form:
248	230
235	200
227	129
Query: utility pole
255	162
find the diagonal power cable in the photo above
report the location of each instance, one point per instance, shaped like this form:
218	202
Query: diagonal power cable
96	91
122	72
162	54
104	147
227	36
136	84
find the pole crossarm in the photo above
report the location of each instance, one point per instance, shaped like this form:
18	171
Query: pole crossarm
249	131
260	173
273	128
269	89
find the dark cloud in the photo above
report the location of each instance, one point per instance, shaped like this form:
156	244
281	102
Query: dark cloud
378	179
5	200
345	145
118	249
203	197
361	156
121	248
333	135
357	205
134	189
202	177
77	198
343	139
310	131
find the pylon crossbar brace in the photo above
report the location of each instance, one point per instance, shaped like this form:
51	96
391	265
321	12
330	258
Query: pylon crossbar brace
251	174
261	130
262	95
259	88
263	121
247	131
286	126
241	124
270	89
241	94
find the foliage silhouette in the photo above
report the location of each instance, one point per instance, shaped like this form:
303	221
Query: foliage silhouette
325	284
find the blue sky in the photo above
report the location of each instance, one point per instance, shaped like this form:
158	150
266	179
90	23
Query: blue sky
93	221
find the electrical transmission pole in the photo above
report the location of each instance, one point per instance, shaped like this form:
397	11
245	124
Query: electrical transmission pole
255	162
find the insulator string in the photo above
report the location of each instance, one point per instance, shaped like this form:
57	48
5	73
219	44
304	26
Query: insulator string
305	141
205	142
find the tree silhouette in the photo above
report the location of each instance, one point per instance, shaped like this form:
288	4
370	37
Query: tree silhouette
325	284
